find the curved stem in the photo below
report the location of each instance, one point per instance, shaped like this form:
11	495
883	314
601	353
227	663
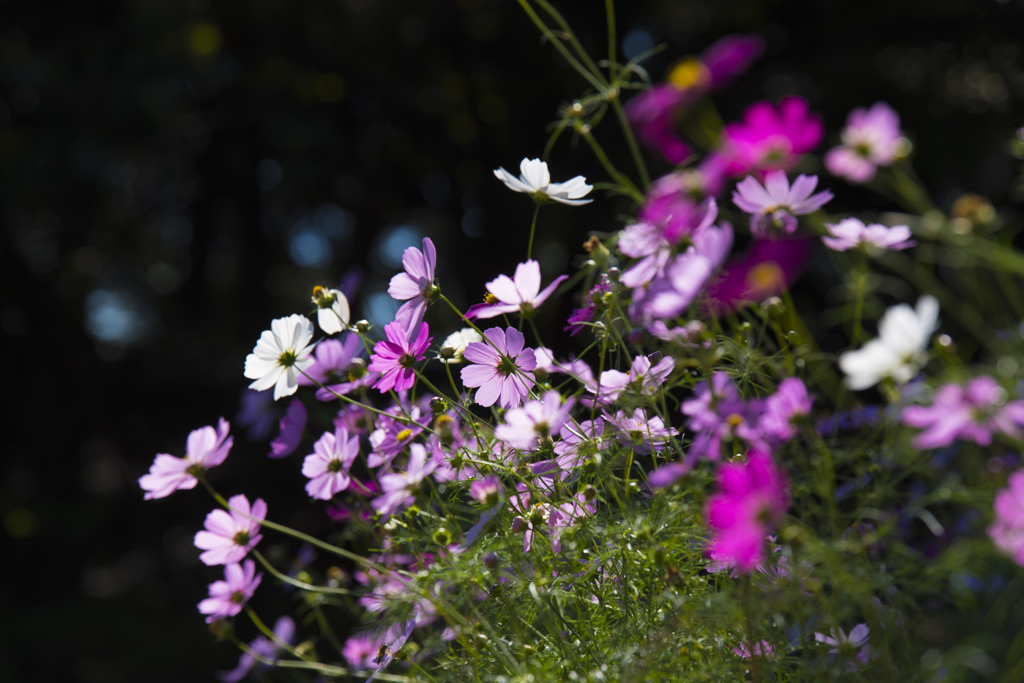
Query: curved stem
533	228
295	582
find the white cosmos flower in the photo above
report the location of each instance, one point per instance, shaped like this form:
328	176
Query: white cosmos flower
332	310
534	179
900	349
455	344
280	354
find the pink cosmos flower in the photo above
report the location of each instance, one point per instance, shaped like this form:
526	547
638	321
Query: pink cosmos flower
332	361
227	597
1007	529
641	432
753	495
525	427
581	316
651	112
284	630
399	487
416	284
774	207
292	424
205	448
487	490
500	368
644	378
770	138
520	293
770	267
361	650
870	140
664	221
851	233
395	433
328	465
762	649
973	411
230	535
579	441
782	409
395	356
717	414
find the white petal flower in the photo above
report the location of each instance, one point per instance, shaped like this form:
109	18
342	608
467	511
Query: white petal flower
900	349
280	354
534	179
332	311
455	344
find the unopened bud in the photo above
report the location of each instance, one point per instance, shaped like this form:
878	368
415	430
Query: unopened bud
590	493
442	537
438	405
363	326
518	525
491	560
614	274
773	306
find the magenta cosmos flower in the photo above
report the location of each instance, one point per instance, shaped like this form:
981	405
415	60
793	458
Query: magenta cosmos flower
770	267
525	427
394	357
753	496
851	233
871	139
328	465
415	286
770	138
230	535
500	368
1007	529
205	448
652	112
520	293
973	411
227	597
775	206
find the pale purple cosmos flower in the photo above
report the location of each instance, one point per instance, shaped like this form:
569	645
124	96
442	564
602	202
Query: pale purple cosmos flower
666	475
292	424
644	378
520	293
753	495
284	630
227	597
394	357
328	465
564	514
229	536
1007	529
579	442
395	433
652	112
394	637
256	414
361	649
689	334
581	316
847	644
399	487
332	363
527	426
205	448
535	180
784	408
762	649
973	411
487	490
769	137
282	353
774	206
416	285
500	368
665	220
640	431
851	233
871	139
717	414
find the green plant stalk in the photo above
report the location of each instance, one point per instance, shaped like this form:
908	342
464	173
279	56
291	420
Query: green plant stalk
533	228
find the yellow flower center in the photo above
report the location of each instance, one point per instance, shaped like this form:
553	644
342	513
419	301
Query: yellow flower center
689	73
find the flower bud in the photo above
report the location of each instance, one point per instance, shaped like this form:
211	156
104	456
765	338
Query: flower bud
438	405
442	537
491	560
614	274
363	326
518	525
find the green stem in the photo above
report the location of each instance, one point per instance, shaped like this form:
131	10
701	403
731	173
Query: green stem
634	148
295	582
860	275
557	42
533	228
273	636
609	10
625	183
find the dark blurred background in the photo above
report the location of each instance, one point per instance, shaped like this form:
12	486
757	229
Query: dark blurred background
176	173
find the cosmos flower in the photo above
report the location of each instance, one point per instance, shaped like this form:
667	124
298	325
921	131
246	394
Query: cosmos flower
535	421
332	311
851	233
280	355
973	411
284	631
900	349
228	597
520	293
415	286
535	180
292	425
499	369
455	344
641	432
644	378
784	408
718	414
770	138
331	360
487	490
399	487
230	534
394	357
767	269
846	644
871	139
753	496
1007	529
205	448
774	206
328	465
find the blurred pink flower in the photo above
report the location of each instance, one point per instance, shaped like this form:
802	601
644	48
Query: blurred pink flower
205	447
870	140
291	425
851	233
775	206
1007	529
973	411
770	138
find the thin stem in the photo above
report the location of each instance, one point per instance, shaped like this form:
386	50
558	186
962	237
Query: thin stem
295	582
325	669
533	228
273	636
609	10
550	35
860	276
634	148
755	668
626	184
